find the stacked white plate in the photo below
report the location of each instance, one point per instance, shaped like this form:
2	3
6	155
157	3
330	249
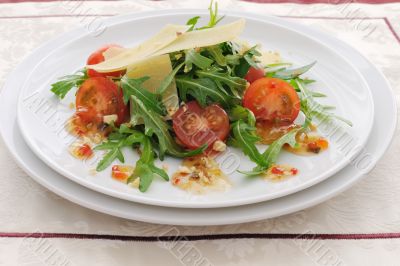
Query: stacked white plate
32	125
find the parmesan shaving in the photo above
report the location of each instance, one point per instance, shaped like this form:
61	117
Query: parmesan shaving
157	68
171	39
113	51
205	37
118	62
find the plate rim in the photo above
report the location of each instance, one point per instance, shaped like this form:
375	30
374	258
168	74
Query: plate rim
193	204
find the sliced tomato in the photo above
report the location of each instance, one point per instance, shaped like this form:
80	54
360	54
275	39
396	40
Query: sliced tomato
195	126
98	97
272	99
254	73
98	57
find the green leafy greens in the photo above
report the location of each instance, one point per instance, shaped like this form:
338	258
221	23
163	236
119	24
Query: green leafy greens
131	86
203	90
145	168
245	139
192	57
313	109
209	75
66	83
155	124
235	85
213	20
287	74
246	61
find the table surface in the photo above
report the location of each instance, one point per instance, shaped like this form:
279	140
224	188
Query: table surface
358	227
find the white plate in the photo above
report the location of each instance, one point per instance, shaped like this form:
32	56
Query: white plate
41	116
381	136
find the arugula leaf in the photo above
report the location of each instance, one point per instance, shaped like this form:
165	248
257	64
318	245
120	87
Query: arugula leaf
214	19
159	128
235	84
109	157
271	154
194	58
246	61
159	172
124	129
216	53
317	94
66	83
143	171
307	81
134	87
314	94
106	145
313	109
239	112
192	22
292	73
233	60
250	55
115	136
202	89
279	65
114	145
244	139
120	156
145	168
130	85
168	79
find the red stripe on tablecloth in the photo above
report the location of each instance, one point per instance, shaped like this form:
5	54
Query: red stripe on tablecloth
391	29
174	238
333	2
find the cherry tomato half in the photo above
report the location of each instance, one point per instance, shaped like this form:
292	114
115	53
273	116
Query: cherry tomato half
98	97
195	126
273	100
98	57
254	73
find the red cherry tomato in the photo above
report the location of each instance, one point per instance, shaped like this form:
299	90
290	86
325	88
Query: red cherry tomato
254	73
97	57
98	97
195	126
272	99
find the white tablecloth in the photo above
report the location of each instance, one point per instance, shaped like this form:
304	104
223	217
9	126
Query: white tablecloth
370	207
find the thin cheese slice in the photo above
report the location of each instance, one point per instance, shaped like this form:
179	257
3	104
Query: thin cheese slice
164	43
205	37
243	45
113	51
166	36
157	68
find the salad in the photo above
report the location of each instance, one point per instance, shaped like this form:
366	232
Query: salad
191	92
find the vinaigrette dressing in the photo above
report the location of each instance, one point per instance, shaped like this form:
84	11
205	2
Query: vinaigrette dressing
279	172
200	174
308	143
